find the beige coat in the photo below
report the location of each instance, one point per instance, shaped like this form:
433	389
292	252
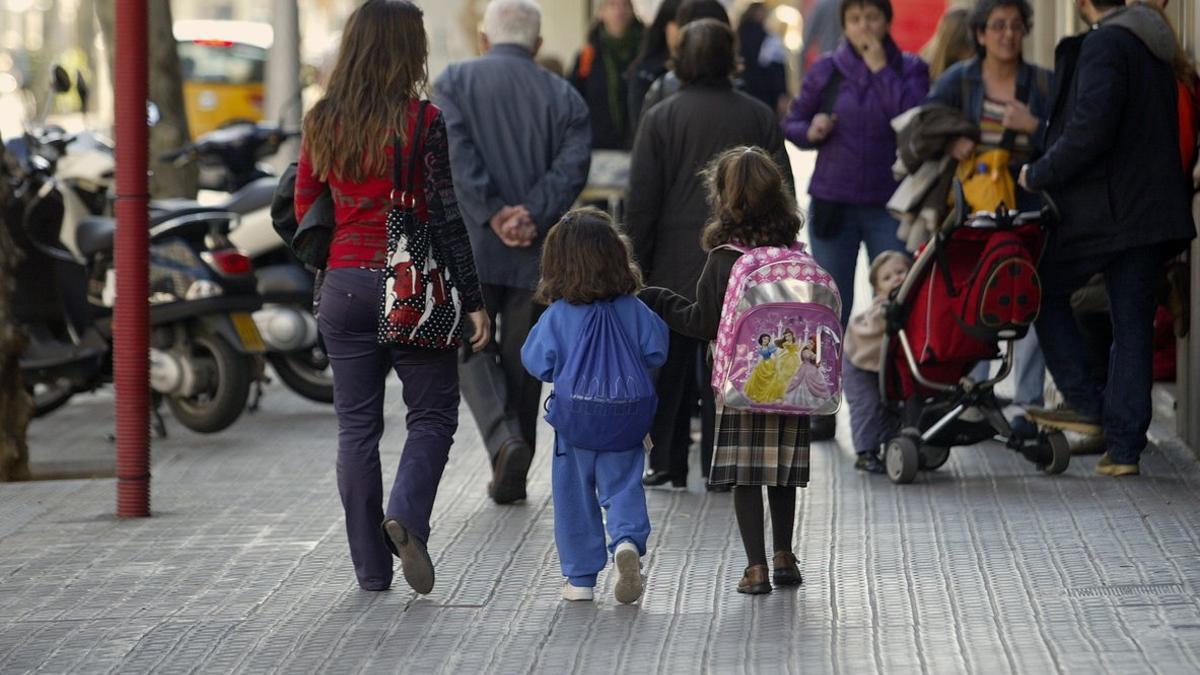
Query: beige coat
864	336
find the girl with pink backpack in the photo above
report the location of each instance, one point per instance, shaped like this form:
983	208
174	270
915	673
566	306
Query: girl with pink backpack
772	319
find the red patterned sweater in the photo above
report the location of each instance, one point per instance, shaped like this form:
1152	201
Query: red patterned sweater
361	209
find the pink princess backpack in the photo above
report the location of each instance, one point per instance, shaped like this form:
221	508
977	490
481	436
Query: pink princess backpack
779	346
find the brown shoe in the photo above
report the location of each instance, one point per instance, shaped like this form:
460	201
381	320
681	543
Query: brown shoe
787	572
1064	419
754	581
508	475
414	558
1107	467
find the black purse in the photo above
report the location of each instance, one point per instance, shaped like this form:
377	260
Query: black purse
309	241
420	306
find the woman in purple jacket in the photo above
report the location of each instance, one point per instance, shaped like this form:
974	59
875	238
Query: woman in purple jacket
844	110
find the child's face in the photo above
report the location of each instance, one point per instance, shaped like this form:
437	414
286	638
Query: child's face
891	276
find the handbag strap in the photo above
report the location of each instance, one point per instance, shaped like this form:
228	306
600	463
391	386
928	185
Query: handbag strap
407	195
1009	140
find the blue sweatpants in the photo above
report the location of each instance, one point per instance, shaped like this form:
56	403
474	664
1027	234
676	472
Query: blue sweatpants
584	482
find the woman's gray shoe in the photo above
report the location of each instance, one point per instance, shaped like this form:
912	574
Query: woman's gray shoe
414	559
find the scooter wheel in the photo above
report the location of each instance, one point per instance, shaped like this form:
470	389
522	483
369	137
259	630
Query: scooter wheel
223	400
902	458
50	397
305	372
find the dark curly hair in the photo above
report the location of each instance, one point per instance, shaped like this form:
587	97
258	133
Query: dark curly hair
982	11
751	202
585	259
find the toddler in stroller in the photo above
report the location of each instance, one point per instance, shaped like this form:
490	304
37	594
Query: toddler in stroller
972	292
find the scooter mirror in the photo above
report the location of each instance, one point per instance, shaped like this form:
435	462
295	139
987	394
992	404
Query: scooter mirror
62	81
81	86
153	116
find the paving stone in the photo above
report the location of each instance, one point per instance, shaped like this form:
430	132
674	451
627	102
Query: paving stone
983	566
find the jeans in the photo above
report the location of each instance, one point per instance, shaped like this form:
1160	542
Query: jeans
1123	405
348	320
836	232
1029	370
503	398
583	482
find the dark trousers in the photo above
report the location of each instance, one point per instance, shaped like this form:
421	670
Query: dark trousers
683	382
504	399
348	319
1124	404
872	423
708	410
837	231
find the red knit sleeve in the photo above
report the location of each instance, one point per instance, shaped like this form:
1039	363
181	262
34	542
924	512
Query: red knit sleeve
308	186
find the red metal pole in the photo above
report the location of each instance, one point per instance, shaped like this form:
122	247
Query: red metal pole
131	321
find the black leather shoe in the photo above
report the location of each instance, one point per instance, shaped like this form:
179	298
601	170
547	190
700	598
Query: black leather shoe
508	475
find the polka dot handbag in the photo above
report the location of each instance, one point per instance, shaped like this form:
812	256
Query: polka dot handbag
420	306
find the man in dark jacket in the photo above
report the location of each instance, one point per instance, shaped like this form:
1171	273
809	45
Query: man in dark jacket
1112	165
666	211
519	151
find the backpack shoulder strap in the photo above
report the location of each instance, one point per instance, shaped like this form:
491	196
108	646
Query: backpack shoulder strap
731	247
1009	140
829	93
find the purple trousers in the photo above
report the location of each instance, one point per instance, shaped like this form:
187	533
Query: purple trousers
348	316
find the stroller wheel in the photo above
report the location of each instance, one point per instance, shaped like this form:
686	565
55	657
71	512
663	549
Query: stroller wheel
1060	453
932	457
902	458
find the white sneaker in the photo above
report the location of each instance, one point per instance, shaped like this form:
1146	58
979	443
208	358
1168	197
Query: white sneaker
577	593
628	586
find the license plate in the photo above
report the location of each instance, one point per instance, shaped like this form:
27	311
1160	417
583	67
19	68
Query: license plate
248	333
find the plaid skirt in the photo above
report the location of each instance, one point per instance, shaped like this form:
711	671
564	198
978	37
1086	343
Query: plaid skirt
760	449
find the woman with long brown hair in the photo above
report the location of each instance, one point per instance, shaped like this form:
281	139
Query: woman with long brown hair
951	42
386	302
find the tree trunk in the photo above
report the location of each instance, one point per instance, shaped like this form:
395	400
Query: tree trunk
166	91
15	406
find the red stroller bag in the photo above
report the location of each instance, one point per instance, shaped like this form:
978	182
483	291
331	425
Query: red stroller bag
978	286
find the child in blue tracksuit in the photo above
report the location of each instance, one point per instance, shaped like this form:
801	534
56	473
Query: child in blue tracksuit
586	260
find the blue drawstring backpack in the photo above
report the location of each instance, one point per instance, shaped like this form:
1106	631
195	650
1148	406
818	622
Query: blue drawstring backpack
603	397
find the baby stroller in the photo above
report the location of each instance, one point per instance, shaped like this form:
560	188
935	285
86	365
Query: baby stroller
972	292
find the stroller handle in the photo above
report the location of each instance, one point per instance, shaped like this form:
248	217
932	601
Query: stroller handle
964	217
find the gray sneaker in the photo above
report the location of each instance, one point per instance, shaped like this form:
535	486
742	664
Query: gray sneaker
628	586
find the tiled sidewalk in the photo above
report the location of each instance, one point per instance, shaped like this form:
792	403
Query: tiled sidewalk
985	566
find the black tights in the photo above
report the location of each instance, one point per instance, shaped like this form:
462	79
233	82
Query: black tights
748	505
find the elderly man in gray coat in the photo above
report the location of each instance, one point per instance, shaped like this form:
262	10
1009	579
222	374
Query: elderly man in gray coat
520	141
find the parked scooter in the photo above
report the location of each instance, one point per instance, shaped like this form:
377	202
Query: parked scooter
231	157
229	160
202	290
